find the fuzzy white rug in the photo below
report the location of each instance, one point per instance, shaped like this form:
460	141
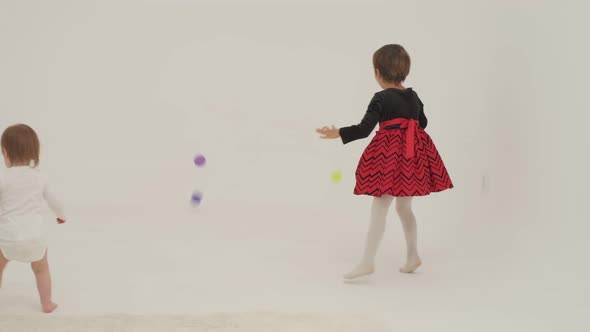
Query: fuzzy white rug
251	322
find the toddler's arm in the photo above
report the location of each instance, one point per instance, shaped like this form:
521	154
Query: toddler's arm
54	204
423	119
368	123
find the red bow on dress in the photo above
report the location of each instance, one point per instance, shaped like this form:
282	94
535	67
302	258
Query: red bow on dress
411	125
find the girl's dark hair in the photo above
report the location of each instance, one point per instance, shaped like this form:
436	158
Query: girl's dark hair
393	63
21	144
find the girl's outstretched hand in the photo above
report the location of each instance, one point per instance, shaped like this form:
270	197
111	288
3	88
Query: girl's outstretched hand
326	132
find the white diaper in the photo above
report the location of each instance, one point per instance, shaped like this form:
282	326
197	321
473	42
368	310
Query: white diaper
25	251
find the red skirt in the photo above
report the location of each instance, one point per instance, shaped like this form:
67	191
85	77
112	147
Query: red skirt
401	162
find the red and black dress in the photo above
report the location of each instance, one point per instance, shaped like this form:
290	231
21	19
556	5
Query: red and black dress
401	159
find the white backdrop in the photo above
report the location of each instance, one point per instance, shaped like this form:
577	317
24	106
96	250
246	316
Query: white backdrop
535	221
125	93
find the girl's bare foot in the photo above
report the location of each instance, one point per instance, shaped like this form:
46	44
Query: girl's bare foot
49	308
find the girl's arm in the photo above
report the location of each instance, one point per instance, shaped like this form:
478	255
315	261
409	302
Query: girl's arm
368	123
54	204
423	120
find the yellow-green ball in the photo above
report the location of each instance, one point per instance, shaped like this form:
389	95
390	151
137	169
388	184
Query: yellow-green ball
336	176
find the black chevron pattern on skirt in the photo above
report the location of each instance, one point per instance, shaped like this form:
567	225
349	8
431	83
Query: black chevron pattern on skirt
383	168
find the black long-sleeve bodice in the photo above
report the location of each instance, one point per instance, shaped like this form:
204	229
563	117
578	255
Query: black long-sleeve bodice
386	105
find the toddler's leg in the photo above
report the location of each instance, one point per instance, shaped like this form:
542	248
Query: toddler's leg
43	277
404	210
379	211
3	263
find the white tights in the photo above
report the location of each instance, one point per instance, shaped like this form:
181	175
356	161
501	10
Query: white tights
379	212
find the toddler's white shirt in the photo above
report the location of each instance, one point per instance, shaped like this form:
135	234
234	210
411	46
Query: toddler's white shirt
23	192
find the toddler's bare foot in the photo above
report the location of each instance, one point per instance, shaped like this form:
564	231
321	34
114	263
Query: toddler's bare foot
49	308
411	265
359	271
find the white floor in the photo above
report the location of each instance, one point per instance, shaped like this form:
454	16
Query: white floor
245	259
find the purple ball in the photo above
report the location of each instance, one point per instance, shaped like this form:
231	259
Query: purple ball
200	160
196	198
